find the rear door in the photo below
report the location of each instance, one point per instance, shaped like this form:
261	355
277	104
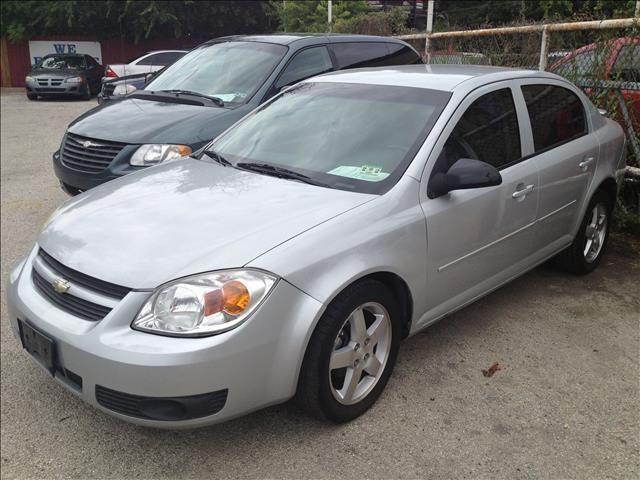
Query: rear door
479	238
559	142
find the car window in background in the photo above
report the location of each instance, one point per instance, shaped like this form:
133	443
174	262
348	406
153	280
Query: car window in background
401	55
231	71
360	54
307	63
589	64
487	131
92	61
164	58
627	65
57	62
556	114
318	129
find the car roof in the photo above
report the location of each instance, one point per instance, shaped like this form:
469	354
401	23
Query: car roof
435	77
289	38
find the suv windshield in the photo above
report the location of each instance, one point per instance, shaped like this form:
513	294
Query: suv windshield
230	71
348	136
57	62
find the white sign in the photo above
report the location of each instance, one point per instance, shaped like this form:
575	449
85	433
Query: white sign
40	48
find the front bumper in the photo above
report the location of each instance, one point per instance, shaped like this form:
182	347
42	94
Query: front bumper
257	363
64	89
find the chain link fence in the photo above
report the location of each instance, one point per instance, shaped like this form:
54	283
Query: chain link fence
601	57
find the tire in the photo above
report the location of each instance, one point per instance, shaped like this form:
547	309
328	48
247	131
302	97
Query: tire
325	393
587	249
32	96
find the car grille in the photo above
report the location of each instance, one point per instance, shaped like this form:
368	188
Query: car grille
70	303
161	408
49	90
50	82
87	154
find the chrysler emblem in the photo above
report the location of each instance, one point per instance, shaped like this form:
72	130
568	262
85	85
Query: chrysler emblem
89	144
60	285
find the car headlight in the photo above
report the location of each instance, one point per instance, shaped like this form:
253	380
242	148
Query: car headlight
205	304
123	89
74	80
157	153
28	79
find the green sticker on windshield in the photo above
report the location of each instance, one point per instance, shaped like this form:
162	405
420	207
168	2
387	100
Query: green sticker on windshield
370	173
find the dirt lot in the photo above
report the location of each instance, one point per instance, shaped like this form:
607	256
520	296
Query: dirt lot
566	403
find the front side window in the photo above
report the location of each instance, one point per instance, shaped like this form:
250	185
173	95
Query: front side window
307	63
60	62
348	136
627	65
487	131
556	114
231	71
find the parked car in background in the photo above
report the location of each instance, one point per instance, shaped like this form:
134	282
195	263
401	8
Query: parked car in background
603	68
64	74
113	88
304	243
147	63
201	95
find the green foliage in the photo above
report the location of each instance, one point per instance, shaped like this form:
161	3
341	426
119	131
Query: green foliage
133	19
311	15
391	22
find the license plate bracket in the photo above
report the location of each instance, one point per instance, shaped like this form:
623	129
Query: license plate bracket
39	346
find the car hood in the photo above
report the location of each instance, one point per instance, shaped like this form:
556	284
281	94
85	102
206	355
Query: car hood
182	218
134	120
56	72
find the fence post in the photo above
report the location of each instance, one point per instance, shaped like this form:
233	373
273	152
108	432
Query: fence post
544	49
427	55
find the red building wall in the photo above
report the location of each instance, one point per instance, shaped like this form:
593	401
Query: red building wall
114	50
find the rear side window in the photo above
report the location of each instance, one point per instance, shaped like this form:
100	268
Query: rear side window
487	131
401	55
556	114
360	54
166	58
152	59
307	63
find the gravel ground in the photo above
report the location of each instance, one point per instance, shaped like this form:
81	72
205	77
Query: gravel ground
565	403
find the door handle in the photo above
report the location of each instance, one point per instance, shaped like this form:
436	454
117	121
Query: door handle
522	192
584	165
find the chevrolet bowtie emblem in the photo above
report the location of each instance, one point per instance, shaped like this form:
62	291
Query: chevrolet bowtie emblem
60	285
89	143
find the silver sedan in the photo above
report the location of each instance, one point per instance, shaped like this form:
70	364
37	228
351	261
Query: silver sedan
291	256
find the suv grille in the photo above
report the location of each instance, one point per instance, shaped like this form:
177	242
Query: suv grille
70	303
87	154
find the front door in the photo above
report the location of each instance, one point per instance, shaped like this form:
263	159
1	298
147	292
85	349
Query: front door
477	239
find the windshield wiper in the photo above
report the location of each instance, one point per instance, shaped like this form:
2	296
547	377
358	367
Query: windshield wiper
218	101
279	172
215	156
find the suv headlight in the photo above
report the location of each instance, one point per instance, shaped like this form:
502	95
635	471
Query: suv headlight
74	80
123	89
153	154
205	304
28	79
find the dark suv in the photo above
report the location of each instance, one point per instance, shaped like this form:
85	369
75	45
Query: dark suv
201	95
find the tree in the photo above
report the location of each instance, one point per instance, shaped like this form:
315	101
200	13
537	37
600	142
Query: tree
134	20
311	15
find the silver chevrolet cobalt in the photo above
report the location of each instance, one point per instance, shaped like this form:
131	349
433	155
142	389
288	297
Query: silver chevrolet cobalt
291	256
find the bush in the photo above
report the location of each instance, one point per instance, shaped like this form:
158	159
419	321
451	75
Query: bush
392	22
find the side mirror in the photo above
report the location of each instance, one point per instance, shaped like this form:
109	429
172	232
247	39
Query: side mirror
148	77
463	175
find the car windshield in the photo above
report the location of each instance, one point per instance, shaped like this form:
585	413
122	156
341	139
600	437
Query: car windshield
230	71
58	62
348	136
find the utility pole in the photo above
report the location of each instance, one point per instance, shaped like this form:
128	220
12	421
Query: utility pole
427	55
637	14
329	13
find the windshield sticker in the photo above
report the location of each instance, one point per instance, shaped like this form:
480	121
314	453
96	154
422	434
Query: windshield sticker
370	173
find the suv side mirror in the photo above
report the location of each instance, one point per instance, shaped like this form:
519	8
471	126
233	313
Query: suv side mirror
463	175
